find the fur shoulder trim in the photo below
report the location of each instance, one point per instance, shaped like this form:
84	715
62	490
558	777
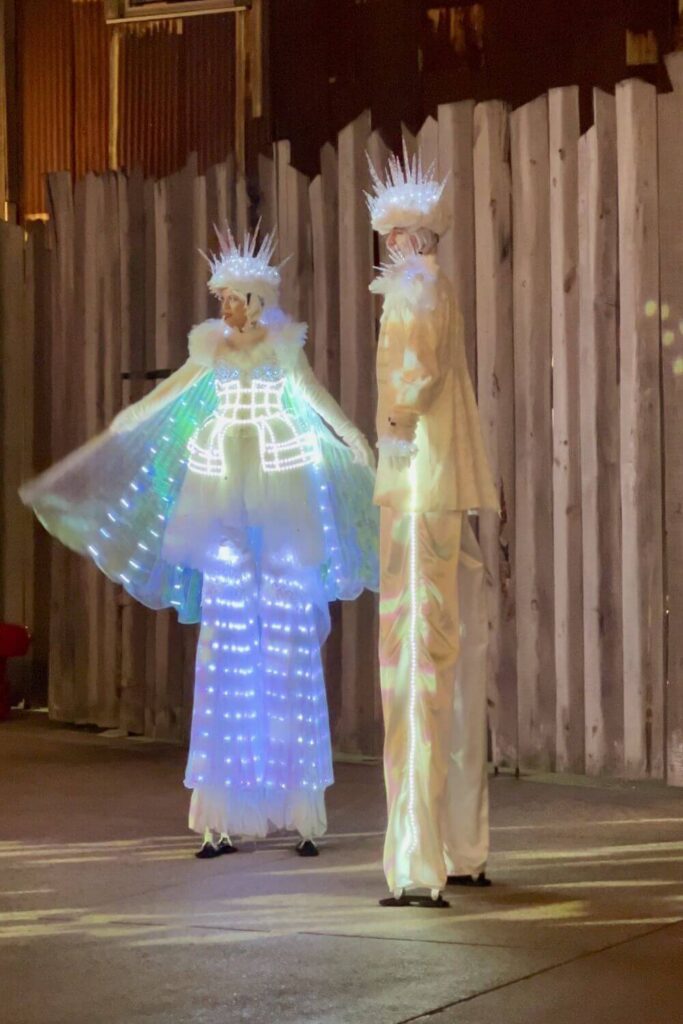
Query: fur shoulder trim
282	343
412	281
205	339
290	334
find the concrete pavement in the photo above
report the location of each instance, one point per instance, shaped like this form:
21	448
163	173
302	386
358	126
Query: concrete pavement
106	917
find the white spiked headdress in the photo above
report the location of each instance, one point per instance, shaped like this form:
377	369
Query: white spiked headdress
245	267
408	197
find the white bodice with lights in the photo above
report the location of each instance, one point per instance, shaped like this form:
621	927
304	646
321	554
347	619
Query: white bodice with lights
251	401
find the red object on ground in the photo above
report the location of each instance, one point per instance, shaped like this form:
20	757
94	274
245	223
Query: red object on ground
14	643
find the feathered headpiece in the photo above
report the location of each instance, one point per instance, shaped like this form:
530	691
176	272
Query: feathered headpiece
247	267
409	197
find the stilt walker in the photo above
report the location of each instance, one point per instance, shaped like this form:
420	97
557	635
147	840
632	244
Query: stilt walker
225	494
432	471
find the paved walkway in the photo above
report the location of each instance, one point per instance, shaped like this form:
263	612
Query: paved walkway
106	918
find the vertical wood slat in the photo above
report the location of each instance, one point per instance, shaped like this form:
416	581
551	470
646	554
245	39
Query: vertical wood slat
5	64
185	219
599	399
533	435
110	402
379	154
641	479
63	626
359	727
268	193
563	113
670	118
294	229
173	206
38	457
86	412
456	248
493	250
16	429
134	618
220	197
324	204
427	142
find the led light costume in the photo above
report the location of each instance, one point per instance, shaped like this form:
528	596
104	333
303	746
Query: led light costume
225	495
432	471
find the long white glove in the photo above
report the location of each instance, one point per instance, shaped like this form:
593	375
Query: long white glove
162	395
324	404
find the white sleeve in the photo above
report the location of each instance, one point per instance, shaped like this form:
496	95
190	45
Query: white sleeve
322	402
162	395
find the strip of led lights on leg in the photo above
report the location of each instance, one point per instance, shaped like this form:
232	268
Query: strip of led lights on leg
413	647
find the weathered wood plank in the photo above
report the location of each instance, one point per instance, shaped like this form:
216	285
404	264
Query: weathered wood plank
12	326
379	154
325	234
64	627
493	248
563	115
268	193
294	230
641	477
16	439
533	435
200	242
428	142
174	301
134	618
599	400
359	727
38	457
110	344
456	248
86	352
670	119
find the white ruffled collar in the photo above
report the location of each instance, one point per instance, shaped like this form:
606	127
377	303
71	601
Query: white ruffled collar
406	273
209	344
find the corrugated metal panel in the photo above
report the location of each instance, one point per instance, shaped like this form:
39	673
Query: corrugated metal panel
45	49
91	87
174	93
210	88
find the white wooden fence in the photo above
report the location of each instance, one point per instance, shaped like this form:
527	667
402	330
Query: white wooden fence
567	256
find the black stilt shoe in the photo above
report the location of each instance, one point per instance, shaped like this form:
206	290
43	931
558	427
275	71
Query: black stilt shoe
209	851
409	899
307	848
479	881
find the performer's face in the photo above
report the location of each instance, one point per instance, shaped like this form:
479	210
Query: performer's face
233	309
400	241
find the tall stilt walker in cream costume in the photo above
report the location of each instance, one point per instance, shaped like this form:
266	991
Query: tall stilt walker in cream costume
432	471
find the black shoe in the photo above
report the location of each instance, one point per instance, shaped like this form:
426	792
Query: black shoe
408	899
307	848
209	851
480	882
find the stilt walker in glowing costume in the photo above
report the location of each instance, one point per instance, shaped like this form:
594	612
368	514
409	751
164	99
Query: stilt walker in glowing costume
432	471
224	494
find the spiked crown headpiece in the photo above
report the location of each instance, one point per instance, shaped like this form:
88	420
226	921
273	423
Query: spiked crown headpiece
245	267
408	197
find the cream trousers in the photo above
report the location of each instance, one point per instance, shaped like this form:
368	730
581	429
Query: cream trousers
433	638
